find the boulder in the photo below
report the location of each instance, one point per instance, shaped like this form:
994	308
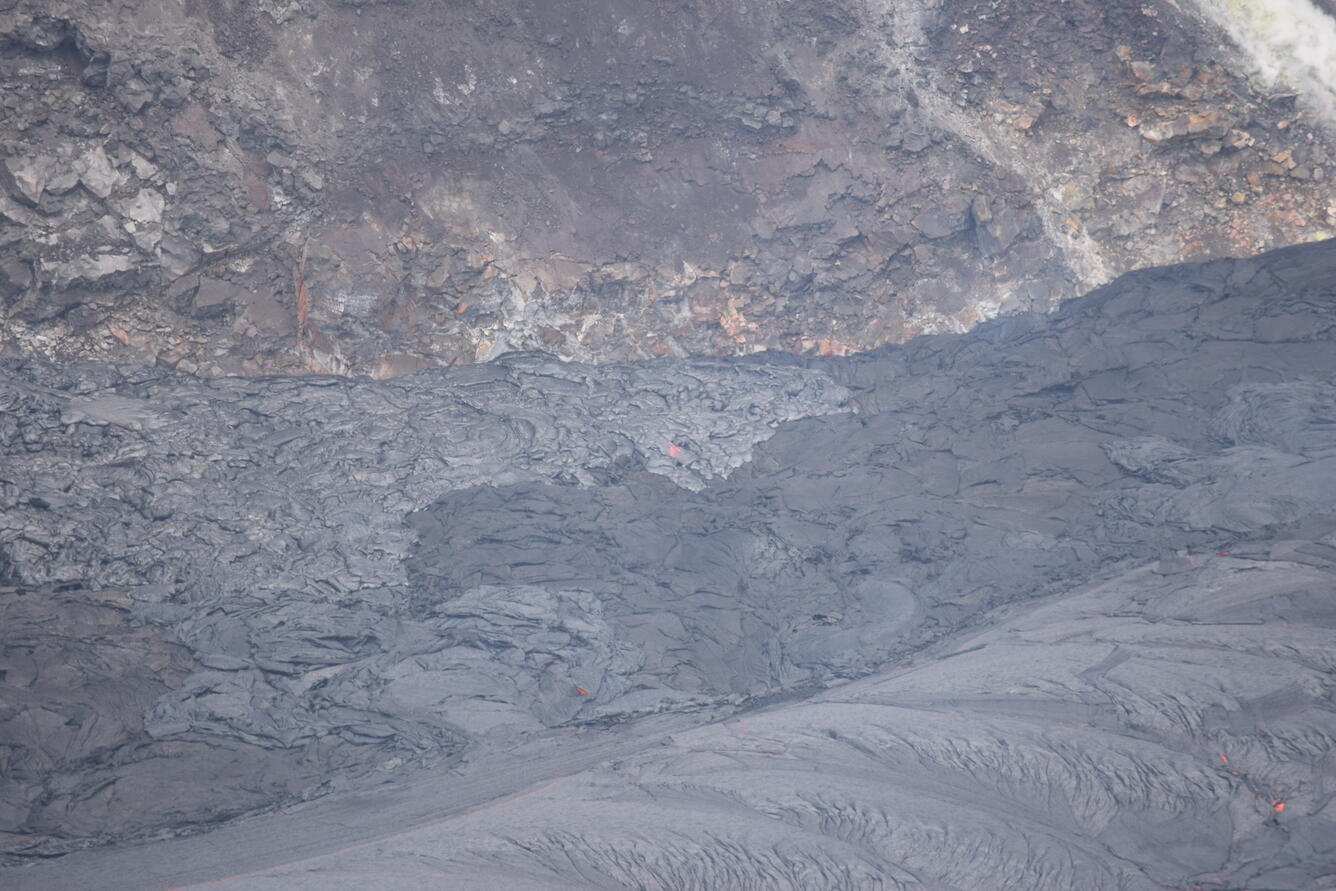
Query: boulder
96	173
26	178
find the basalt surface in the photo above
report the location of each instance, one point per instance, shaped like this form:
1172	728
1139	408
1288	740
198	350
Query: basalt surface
353	186
1044	605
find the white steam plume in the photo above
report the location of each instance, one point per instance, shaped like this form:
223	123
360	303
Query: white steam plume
1291	42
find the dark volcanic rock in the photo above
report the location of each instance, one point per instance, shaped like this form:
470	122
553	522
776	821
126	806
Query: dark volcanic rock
259	524
1069	577
415	183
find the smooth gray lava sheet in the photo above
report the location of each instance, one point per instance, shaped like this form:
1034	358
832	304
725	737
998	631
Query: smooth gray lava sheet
1049	605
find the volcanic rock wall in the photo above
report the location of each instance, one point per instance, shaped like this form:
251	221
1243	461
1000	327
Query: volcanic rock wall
249	186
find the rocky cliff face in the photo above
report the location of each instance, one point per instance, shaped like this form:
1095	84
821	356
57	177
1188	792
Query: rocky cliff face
249	186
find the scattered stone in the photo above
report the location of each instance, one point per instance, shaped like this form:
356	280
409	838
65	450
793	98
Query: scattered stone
216	298
177	255
15	277
63	182
143	168
1239	139
193	123
27	178
88	269
944	220
1209	124
145	207
96	173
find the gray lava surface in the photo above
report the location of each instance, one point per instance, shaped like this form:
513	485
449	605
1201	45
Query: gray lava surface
1047	605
